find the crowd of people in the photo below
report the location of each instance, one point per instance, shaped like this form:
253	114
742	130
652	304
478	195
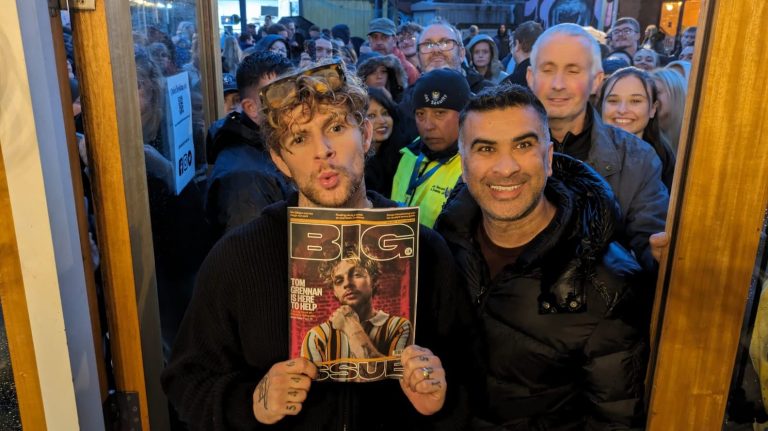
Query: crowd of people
542	159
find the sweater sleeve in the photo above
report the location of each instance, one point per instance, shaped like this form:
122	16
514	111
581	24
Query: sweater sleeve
207	379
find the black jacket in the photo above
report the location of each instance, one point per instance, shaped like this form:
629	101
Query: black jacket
562	335
475	80
244	179
380	168
519	75
237	327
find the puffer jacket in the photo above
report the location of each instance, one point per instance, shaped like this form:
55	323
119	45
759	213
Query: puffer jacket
562	338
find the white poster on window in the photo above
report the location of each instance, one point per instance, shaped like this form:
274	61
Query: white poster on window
180	144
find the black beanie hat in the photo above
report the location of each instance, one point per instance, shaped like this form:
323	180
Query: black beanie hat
441	88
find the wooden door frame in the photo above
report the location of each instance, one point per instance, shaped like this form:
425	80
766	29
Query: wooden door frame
15	313
41	280
103	44
717	211
107	72
210	60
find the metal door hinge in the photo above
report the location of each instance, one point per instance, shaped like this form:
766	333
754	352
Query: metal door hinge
121	411
82	4
71	4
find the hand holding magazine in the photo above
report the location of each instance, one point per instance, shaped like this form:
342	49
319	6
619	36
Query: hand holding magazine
352	290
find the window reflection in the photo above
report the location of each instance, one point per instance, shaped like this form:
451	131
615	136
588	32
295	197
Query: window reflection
173	129
748	397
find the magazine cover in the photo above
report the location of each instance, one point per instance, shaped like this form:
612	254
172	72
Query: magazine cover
352	286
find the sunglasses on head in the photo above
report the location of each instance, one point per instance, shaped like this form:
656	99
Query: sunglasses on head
283	92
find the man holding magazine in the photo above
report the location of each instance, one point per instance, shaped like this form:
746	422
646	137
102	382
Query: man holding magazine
230	368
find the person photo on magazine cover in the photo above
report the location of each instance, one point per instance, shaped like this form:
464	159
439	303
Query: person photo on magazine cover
231	369
355	329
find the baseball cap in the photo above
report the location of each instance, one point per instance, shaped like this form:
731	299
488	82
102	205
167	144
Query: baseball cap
383	26
230	84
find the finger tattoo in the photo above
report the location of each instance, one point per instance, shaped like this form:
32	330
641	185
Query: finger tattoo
291	363
423	358
291	407
437	383
295	379
263	389
292	393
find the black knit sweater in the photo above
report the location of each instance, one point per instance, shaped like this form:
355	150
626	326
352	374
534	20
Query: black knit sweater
236	328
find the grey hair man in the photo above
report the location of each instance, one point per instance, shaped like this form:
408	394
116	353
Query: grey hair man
565	70
439	47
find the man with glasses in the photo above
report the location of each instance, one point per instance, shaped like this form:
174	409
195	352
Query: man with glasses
230	368
439	47
407	36
625	35
381	37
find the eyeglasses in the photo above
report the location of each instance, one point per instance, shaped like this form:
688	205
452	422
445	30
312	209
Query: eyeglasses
283	92
623	31
442	45
279	51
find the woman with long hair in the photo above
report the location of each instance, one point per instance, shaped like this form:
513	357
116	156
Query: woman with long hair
381	163
672	88
628	99
230	55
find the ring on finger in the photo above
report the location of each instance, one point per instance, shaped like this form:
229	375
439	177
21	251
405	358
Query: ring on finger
426	372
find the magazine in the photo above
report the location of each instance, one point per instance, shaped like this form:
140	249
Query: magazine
352	286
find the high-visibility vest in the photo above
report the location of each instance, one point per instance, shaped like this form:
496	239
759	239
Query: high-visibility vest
430	194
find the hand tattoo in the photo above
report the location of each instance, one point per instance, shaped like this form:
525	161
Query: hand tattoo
291	407
263	389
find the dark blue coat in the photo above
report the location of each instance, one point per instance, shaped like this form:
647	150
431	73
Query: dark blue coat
244	179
